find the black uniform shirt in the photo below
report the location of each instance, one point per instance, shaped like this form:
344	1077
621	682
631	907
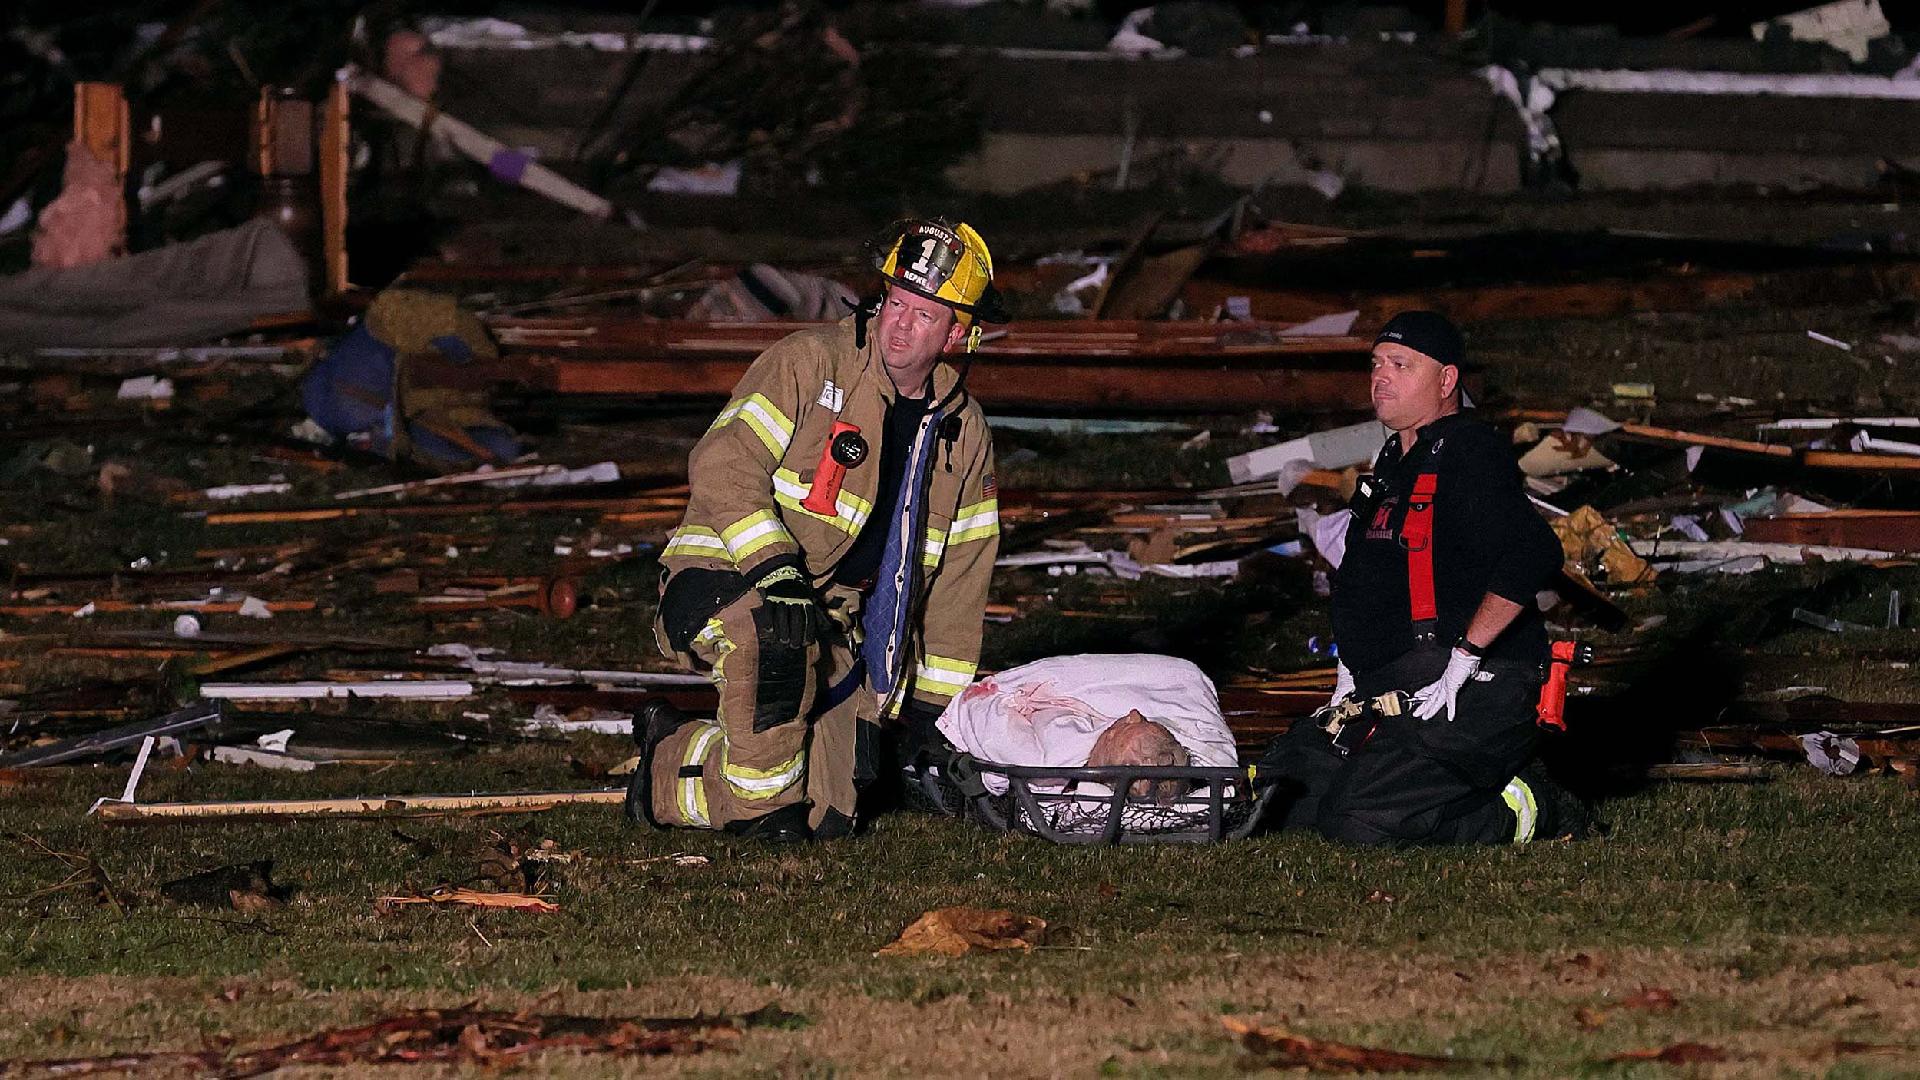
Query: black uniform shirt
1486	538
862	561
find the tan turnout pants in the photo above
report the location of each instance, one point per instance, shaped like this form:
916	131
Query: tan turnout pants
766	748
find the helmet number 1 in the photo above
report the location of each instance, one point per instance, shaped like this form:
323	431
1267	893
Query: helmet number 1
924	264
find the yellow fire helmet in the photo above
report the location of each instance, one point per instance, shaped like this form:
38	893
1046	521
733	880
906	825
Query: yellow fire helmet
950	264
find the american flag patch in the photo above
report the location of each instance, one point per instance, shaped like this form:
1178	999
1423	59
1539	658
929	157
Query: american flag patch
988	489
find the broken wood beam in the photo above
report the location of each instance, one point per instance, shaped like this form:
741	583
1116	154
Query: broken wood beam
556	598
645	504
1837	460
335	149
1883	530
1118	364
102	607
122	813
100	123
998	382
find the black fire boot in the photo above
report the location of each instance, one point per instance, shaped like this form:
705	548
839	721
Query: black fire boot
787	825
1563	815
656	720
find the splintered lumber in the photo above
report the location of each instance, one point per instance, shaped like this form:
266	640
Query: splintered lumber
336	144
100	124
122	813
641	505
1837	460
1884	530
504	162
475	898
102	607
1673	289
1167	366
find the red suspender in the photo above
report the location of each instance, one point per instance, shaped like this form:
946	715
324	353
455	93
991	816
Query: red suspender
1416	536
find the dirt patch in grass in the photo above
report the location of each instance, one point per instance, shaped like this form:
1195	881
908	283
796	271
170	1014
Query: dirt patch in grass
1531	1014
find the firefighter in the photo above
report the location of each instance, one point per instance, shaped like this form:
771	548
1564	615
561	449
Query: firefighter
831	573
1434	598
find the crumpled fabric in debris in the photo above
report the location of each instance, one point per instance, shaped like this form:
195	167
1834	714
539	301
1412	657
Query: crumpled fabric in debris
180	294
1831	753
1594	548
375	387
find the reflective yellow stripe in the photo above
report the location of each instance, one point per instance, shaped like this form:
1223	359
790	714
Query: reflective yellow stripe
936	545
851	511
753	532
693	791
764	417
696	541
939	675
976	522
756	784
1518	796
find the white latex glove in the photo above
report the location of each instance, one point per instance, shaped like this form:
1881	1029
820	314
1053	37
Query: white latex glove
1438	696
1342	683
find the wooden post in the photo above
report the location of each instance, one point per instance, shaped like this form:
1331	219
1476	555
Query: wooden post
1456	17
100	124
334	152
282	134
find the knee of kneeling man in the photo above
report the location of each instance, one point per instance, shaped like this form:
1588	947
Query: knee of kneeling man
1340	820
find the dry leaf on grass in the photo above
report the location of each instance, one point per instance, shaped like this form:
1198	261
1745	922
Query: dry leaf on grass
1652	999
956	931
471	898
1686	1053
1281	1049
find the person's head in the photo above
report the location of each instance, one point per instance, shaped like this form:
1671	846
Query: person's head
1417	361
1135	740
939	287
912	332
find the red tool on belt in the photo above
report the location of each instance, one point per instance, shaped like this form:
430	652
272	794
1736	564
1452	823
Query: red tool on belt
844	450
1552	710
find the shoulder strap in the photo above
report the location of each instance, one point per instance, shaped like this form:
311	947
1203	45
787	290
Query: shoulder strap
1416	536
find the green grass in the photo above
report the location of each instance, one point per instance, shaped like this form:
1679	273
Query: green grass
1737	886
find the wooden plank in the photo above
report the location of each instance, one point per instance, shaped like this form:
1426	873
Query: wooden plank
1120	364
1881	530
100	124
1691	438
213	607
334	143
1834	460
1137	340
119	813
1122	386
521	506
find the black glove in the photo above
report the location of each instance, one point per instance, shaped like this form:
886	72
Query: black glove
793	614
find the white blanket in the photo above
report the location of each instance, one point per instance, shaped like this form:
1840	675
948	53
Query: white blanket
1050	712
